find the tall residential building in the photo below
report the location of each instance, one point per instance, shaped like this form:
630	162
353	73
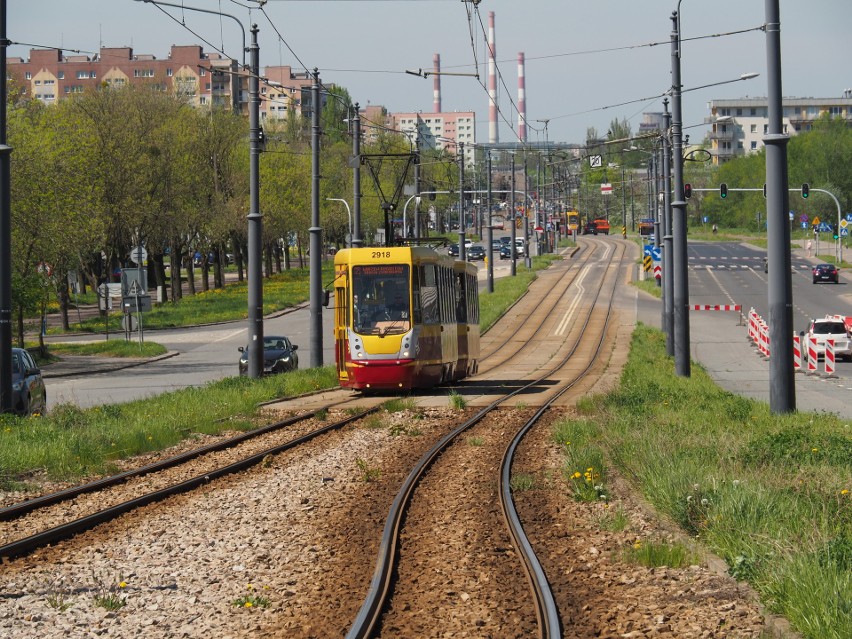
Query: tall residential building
438	130
738	126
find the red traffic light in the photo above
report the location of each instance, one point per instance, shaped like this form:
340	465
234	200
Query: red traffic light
687	190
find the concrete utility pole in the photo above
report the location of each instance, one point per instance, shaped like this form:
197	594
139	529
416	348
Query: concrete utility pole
255	219
681	284
782	382
315	278
357	240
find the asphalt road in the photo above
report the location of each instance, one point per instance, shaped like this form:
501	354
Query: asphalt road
730	273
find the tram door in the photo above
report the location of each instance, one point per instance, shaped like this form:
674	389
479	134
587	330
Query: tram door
341	322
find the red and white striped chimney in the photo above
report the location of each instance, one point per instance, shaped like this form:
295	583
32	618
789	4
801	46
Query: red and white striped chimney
493	133
436	83
522	100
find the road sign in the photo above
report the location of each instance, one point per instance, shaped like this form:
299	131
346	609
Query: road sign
606	188
646	263
824	228
138	255
792	215
595	161
804	225
844	232
816	221
803	217
129	323
849	217
843	224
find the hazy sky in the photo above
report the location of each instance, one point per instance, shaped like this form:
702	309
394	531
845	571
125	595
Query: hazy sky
582	57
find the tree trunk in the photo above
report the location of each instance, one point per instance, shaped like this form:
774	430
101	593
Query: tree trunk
62	296
190	274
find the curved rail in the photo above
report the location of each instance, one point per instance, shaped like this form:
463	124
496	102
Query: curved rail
380	585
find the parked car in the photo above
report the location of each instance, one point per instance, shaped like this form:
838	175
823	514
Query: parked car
28	393
832	327
496	245
826	273
476	252
279	355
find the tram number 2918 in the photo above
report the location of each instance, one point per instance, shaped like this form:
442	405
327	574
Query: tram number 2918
380	254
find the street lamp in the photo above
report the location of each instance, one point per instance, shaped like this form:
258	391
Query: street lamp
348	213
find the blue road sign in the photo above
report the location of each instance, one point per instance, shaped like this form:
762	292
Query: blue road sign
804	225
824	227
844	232
849	217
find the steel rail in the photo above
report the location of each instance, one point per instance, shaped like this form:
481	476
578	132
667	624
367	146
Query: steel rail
64	531
370	612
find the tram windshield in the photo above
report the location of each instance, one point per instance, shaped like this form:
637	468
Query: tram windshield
380	299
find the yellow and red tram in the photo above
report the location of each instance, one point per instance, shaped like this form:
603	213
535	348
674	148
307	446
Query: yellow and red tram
406	317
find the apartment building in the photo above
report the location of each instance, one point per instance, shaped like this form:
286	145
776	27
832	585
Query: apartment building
204	78
438	130
738	126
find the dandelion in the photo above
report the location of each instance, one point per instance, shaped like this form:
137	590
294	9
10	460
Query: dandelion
123	584
736	482
637	544
845	491
576	475
813	450
248	604
704	502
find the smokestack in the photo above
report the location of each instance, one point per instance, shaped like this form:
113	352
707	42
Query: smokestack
493	133
436	83
522	100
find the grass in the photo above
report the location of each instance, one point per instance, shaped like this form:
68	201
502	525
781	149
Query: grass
71	443
111	348
768	493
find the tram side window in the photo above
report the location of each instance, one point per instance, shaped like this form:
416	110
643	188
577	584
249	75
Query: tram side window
416	311
429	295
472	300
461	299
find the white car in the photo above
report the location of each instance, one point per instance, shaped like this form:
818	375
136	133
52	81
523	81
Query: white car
832	327
520	250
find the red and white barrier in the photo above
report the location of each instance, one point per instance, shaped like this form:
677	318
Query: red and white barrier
829	357
764	338
797	352
812	355
716	307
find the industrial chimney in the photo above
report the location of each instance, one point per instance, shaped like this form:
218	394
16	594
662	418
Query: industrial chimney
493	134
522	100
436	83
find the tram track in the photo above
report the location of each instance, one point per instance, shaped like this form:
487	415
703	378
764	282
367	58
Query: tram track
378	615
305	526
62	514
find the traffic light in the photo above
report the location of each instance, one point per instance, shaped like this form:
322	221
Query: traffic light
723	190
764	189
687	191
806	190
835	233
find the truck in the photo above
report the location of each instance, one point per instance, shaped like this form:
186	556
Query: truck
602	225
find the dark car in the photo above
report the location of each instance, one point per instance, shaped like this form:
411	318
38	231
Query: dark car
506	252
590	229
28	394
476	252
826	273
453	250
279	355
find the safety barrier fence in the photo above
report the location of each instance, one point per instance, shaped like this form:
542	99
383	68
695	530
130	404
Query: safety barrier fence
758	332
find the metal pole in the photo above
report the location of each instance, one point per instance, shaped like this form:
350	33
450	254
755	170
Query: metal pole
681	284
5	234
462	250
782	383
668	279
356	178
527	256
315	278
255	220
490	232
417	182
514	223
